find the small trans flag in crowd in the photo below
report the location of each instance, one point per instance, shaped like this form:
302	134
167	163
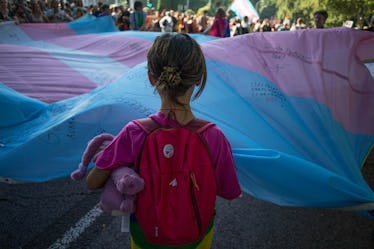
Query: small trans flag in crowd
244	8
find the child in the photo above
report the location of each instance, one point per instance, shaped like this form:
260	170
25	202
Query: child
176	65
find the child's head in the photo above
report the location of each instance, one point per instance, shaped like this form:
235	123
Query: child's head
176	63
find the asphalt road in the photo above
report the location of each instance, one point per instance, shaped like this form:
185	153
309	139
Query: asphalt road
63	214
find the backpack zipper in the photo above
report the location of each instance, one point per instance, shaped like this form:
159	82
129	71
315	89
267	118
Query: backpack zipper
194	201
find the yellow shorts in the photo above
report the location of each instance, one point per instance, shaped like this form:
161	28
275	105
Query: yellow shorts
206	242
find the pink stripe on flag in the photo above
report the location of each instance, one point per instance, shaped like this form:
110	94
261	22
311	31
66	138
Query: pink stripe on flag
20	69
129	51
318	64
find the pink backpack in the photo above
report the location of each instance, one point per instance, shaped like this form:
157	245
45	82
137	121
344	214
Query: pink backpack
177	204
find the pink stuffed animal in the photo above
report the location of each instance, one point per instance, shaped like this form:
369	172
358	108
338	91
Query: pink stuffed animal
127	184
120	190
94	147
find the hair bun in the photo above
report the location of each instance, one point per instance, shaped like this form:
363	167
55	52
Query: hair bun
170	76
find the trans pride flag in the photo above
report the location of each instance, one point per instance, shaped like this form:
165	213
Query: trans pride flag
296	106
244	8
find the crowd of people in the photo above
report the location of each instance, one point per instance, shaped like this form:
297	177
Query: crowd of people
143	18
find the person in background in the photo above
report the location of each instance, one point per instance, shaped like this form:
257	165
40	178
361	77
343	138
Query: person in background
298	25
320	17
91	9
203	21
190	23
37	15
256	26
155	24
97	9
138	17
56	14
79	12
370	25
77	6
173	15
181	24
4	11
236	27
105	11
245	25
220	25
167	23
265	25
67	8
124	21
22	14
116	12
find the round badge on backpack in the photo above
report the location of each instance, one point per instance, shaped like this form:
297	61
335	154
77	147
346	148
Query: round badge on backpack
168	150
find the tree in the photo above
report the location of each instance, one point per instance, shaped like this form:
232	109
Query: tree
358	11
265	8
163	4
173	4
339	10
297	8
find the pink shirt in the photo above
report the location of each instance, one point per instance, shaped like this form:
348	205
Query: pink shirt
218	27
125	150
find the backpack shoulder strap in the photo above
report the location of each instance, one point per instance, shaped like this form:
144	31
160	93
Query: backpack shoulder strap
147	124
199	125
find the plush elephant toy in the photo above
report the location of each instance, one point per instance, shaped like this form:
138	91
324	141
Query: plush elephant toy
120	190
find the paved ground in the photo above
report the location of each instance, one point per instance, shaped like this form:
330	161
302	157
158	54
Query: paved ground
49	215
